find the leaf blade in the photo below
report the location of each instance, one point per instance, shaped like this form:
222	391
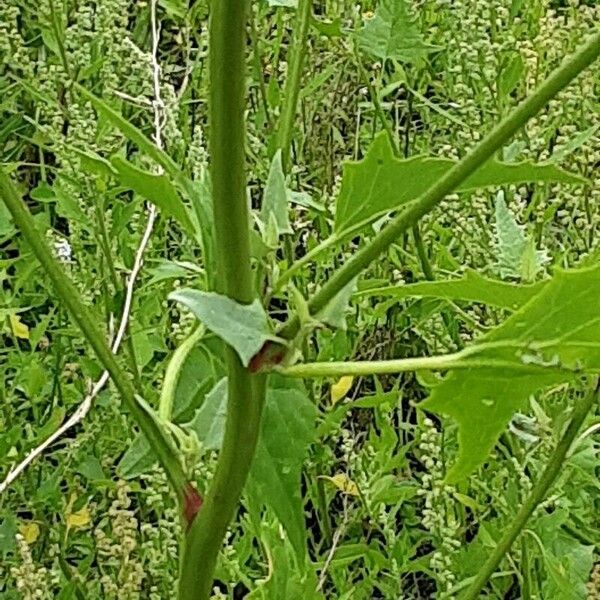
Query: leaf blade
380	182
558	331
245	327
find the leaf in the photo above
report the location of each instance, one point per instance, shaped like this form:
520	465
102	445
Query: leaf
132	133
340	388
393	34
67	206
209	421
552	339
91	468
380	182
245	327
94	163
510	240
343	483
138	459
156	188
198	374
517	255
19	329
511	75
568	562
287	429
467	501
579	140
6	227
276	198
8	530
471	287
30	531
334	314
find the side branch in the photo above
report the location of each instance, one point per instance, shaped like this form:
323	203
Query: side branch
492	142
161	444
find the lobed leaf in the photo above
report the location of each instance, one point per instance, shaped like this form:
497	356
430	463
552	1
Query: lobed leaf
393	34
556	336
380	182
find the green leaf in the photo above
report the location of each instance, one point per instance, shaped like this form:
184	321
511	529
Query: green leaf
579	140
245	327
471	287
69	207
94	163
287	429
511	75
380	182
510	240
198	375
91	468
8	531
276	198
138	459
550	340
568	562
132	133
393	34
7	228
334	314
156	188
209	421
517	255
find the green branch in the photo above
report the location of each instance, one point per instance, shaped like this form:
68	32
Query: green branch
160	442
465	359
246	392
499	136
292	84
173	372
551	472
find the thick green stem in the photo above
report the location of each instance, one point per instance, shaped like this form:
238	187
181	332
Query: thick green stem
246	392
501	134
292	84
551	472
68	294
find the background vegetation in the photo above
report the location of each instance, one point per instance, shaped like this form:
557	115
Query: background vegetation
359	504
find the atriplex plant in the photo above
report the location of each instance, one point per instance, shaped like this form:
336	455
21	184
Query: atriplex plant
530	350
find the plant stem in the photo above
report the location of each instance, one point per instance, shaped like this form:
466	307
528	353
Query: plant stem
376	103
292	83
167	394
68	294
456	360
259	69
117	286
552	470
494	140
447	317
246	392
